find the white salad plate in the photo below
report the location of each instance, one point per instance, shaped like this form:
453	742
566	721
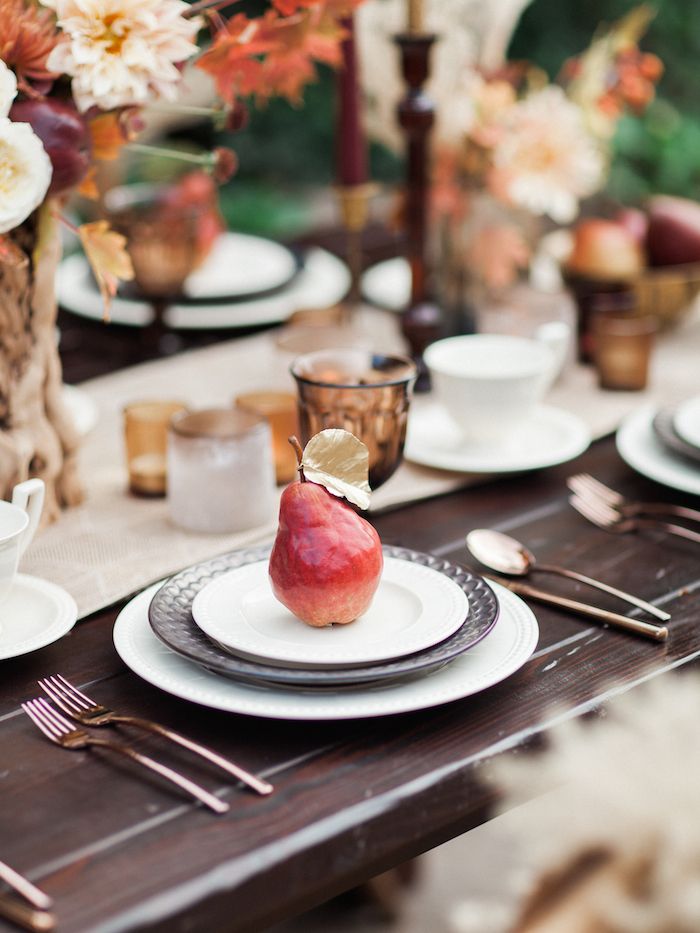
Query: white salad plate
388	284
241	265
549	437
686	421
323	281
639	447
413	608
498	655
34	614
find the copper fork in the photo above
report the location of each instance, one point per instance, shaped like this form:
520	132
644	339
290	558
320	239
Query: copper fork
586	486
32	909
62	732
604	516
87	712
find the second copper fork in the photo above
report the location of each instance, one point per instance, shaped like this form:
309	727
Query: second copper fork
604	516
86	711
586	487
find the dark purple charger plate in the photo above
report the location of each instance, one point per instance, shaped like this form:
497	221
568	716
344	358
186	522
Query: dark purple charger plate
665	431
170	617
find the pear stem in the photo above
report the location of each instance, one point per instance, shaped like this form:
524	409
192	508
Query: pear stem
294	441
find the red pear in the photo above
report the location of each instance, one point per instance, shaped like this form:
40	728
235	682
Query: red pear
65	136
327	560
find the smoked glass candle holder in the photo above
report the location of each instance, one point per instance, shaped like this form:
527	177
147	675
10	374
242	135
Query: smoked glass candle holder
220	471
146	436
279	409
622	348
163	240
365	393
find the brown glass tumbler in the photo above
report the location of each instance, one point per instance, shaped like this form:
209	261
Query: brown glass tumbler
146	437
279	409
363	392
622	348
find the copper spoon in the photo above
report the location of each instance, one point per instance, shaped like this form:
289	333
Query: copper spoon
505	555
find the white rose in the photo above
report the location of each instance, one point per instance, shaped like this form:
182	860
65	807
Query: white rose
25	173
8	88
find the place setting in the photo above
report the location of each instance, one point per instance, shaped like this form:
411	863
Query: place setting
387	629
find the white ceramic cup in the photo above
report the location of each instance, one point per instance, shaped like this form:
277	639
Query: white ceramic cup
18	522
490	384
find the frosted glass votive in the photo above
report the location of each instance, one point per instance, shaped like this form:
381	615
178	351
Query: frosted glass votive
221	475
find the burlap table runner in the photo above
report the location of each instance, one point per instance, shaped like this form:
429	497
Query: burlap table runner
115	544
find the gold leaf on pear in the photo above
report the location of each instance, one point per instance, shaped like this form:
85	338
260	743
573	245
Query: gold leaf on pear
339	461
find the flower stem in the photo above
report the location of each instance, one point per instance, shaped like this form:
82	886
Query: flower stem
205	159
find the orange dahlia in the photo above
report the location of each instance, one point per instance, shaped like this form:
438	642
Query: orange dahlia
27	37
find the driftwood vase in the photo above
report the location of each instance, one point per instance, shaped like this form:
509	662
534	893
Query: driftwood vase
37	434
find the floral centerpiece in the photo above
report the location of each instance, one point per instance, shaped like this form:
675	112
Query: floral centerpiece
527	151
75	77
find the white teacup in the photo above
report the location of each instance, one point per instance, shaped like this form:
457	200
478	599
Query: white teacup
490	384
18	522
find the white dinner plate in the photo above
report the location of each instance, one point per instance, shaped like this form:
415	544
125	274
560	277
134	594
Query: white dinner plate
686	421
502	652
550	436
639	447
323	281
34	614
388	284
414	608
82	408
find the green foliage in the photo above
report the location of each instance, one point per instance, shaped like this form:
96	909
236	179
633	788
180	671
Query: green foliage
659	152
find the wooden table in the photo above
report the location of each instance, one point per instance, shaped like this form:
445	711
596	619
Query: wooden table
352	798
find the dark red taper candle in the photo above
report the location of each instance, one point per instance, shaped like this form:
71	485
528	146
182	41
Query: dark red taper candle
350	139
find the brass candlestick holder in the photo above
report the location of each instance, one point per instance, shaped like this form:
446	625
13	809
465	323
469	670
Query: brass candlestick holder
354	202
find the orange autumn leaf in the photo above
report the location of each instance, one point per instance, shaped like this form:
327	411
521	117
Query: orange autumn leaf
88	186
233	58
107	136
105	250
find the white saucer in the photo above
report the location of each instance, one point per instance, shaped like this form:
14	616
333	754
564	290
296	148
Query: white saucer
502	652
388	284
82	408
323	281
686	421
551	436
34	614
639	447
414	607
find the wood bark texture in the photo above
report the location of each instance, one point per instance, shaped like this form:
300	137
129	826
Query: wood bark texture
37	434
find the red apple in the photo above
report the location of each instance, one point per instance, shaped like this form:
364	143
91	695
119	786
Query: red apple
327	560
605	250
65	136
674	231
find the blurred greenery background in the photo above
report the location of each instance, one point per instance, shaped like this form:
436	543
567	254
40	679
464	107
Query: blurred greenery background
284	150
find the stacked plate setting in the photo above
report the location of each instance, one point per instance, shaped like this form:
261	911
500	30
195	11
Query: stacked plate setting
215	634
664	444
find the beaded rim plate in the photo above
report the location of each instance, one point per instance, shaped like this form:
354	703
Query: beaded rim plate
500	654
170	617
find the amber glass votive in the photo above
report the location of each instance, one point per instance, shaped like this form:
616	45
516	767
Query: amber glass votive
279	409
146	436
622	348
363	392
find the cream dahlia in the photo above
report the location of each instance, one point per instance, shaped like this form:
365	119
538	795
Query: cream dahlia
25	173
545	160
122	52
